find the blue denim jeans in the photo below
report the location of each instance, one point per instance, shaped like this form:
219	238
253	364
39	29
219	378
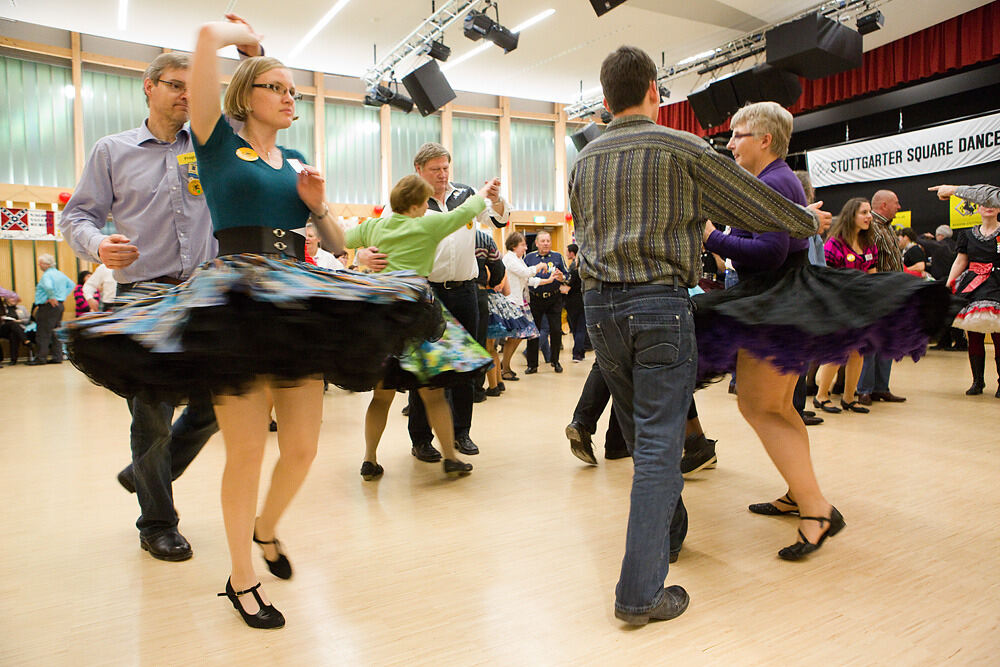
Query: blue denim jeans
644	340
161	451
875	374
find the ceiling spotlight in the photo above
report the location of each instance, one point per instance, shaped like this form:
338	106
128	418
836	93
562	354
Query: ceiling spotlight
478	25
379	95
664	94
871	22
436	50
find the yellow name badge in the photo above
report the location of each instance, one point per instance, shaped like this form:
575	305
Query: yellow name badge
247	154
194	187
186	158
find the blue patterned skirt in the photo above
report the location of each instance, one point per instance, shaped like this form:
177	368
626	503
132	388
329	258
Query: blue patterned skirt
507	320
243	316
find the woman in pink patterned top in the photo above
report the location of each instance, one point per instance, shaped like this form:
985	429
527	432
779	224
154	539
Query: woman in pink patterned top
849	246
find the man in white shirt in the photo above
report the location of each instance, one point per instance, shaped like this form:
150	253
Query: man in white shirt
323	259
454	281
101	281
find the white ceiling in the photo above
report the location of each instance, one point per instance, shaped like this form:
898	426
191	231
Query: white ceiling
552	59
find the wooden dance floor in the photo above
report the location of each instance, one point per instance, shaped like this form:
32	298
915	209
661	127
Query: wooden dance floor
517	564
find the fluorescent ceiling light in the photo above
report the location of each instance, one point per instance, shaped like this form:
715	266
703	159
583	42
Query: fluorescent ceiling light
697	57
122	13
485	47
322	23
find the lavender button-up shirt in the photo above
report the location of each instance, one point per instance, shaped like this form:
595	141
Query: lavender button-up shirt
144	184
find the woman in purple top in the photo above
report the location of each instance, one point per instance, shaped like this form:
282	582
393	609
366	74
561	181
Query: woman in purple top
850	246
759	143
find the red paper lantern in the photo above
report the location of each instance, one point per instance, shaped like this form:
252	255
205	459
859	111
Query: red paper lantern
569	217
64	197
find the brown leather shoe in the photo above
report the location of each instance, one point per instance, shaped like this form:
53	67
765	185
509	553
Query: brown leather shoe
865	399
887	396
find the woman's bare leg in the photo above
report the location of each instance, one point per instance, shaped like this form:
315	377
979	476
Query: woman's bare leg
375	418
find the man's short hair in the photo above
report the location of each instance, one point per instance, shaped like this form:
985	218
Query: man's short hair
573	248
514	240
908	233
162	62
943	230
542	231
428	152
46	260
625	77
410	191
236	103
767	118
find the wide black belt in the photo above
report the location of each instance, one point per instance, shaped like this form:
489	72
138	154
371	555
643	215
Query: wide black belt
453	284
543	295
261	241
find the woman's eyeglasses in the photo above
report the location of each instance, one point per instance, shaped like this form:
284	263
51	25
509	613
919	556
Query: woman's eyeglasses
280	90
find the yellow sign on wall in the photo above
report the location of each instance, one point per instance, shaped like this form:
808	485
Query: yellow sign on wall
902	219
962	214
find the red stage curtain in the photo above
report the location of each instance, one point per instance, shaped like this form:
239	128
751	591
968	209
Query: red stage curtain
965	40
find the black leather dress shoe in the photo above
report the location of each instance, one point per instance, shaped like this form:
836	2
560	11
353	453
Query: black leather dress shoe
675	601
36	362
887	396
169	546
424	451
530	370
580	443
126	479
464	444
557	367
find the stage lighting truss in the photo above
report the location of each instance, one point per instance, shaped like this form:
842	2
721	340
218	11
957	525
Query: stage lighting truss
421	42
736	51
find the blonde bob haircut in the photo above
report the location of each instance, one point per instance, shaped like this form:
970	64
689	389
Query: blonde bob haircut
762	118
410	191
236	103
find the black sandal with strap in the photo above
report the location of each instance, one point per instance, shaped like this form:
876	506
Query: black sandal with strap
266	618
279	567
826	406
800	550
770	509
854	406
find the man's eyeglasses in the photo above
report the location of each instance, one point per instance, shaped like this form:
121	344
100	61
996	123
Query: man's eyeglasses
177	86
280	90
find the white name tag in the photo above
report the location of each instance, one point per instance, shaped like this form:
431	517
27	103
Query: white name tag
296	165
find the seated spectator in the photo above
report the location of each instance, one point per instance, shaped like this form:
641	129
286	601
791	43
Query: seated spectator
14	321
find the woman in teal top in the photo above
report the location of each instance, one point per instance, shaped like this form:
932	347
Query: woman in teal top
257	326
410	239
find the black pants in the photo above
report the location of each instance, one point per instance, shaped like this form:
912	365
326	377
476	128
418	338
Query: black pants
14	333
48	318
483	302
462	302
577	326
550	308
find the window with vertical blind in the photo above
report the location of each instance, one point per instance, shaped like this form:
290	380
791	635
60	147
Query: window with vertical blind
353	154
476	150
410	131
36	123
533	166
300	135
112	103
571	152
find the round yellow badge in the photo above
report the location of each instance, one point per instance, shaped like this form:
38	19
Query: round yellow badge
247	154
194	187
850	257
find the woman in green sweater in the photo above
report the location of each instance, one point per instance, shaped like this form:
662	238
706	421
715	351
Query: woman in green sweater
410	239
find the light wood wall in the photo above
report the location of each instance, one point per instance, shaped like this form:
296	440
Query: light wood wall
17	257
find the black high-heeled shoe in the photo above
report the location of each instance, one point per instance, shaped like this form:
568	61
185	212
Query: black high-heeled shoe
770	509
266	618
279	567
800	550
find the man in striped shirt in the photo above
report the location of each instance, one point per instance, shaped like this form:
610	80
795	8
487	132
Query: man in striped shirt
641	195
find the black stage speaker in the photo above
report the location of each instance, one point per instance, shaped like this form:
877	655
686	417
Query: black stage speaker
602	7
764	83
813	47
589	132
428	88
703	105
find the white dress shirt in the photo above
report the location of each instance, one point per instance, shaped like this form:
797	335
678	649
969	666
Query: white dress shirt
519	277
101	280
326	260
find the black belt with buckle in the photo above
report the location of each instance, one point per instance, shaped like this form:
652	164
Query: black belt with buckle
261	241
591	283
544	295
452	284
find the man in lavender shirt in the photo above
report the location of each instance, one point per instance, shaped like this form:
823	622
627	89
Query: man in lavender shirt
147	180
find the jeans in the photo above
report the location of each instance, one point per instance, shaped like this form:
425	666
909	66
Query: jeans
874	375
462	301
644	341
551	309
593	399
161	451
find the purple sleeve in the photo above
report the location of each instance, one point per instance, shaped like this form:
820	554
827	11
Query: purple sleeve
759	251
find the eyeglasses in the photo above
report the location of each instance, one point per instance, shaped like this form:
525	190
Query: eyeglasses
280	90
740	135
177	86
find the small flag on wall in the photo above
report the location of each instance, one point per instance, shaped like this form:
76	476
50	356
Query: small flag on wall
29	224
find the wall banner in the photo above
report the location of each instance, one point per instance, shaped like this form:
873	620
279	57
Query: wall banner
941	148
29	224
